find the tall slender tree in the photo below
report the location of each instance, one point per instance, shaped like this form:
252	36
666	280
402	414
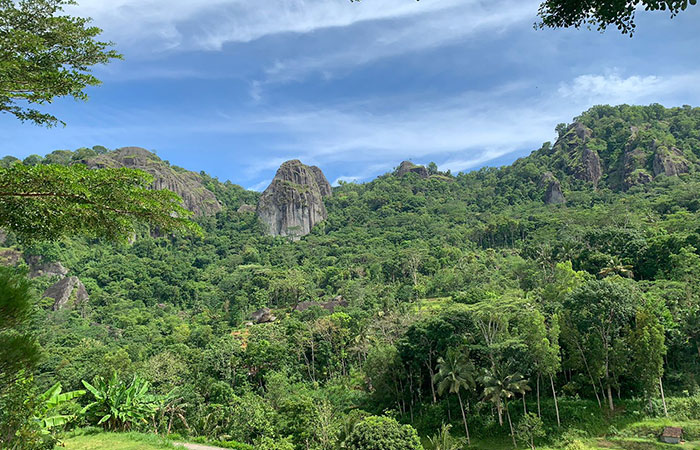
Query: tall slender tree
455	374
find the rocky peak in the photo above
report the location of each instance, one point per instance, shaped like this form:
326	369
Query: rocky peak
69	291
408	167
293	203
188	185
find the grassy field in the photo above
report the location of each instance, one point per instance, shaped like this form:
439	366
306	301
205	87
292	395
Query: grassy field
115	441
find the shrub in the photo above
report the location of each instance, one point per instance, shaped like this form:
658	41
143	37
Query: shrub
383	433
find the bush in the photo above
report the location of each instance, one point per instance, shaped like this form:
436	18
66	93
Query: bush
383	433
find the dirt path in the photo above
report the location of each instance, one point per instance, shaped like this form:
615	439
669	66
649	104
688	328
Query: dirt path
196	446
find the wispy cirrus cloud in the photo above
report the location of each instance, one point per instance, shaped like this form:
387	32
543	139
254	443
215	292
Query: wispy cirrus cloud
209	24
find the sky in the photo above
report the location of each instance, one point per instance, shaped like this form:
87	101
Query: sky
236	87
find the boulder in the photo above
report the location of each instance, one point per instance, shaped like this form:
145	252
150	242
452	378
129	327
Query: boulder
293	203
67	292
553	194
263	315
408	167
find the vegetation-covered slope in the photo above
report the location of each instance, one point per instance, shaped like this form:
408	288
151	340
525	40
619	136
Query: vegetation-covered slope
592	298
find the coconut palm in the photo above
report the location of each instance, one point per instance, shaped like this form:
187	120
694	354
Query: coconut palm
456	373
499	388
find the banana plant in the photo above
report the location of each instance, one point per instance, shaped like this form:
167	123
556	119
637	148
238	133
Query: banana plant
49	402
120	405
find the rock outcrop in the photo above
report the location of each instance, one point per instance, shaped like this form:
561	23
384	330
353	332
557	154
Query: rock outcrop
293	203
188	185
669	162
553	194
577	157
243	209
39	268
408	167
263	315
67	292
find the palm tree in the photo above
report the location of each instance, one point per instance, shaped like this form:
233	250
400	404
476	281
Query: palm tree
456	372
498	388
617	267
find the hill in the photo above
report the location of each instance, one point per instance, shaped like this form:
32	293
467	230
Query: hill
516	264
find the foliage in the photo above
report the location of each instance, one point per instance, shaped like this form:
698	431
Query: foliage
443	440
383	433
119	405
48	201
603	13
44	55
530	427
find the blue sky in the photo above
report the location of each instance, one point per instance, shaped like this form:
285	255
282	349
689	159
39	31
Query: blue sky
235	87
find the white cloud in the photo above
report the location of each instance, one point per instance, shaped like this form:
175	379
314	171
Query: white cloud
208	24
613	88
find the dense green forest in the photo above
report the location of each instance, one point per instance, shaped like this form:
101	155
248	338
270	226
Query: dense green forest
479	301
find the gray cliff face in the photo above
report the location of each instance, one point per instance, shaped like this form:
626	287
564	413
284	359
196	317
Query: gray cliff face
67	292
188	185
553	194
670	162
408	167
576	156
293	203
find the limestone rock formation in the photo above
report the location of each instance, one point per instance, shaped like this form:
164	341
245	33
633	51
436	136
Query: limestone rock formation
246	209
408	167
39	268
553	194
577	157
670	162
634	170
293	203
67	292
188	185
263	315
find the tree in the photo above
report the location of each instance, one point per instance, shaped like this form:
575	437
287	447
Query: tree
600	311
19	350
603	13
44	55
456	373
49	201
543	350
382	433
498	388
529	428
648	350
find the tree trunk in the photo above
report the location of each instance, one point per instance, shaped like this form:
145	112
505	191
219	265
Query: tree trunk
585	362
663	397
524	405
510	424
539	410
464	418
556	403
611	405
499	410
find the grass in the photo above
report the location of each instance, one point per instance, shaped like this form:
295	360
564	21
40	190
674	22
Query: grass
93	440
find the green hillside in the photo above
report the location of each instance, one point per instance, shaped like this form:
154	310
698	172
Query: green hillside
576	269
